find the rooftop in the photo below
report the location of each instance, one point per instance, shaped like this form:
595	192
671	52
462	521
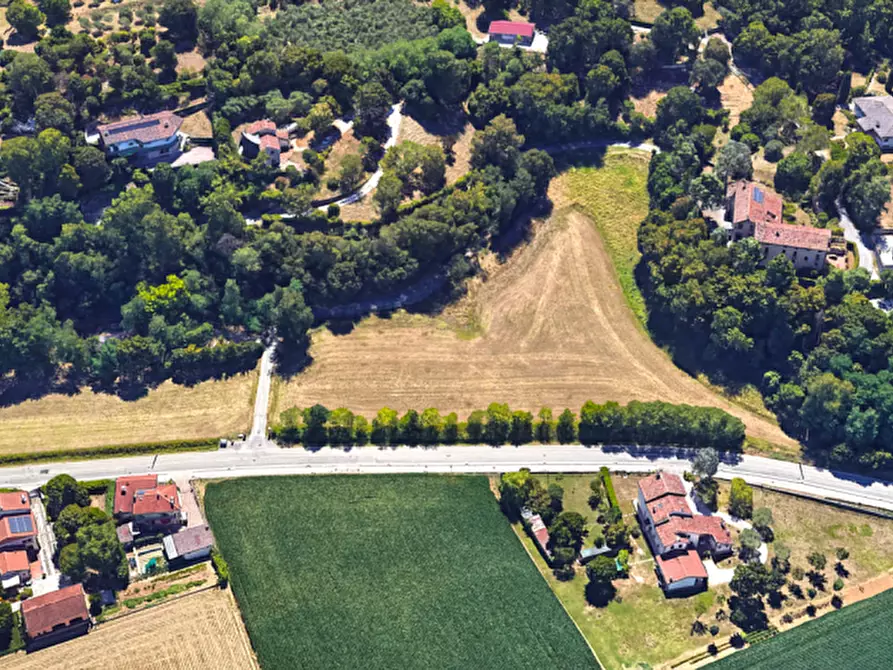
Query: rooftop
667	506
661	484
16	501
14	561
188	540
681	567
126	489
755	203
682	527
878	114
161	499
142	129
520	28
798	237
58	608
17	526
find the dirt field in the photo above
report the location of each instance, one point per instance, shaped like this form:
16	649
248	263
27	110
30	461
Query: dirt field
190	60
199	631
197	125
169	412
550	327
736	96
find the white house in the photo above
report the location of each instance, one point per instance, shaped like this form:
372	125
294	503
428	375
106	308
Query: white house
146	138
190	544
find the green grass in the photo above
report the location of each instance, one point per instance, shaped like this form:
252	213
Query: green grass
857	636
386	572
615	196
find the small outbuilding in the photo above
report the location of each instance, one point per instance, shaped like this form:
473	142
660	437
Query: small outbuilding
190	544
681	574
510	33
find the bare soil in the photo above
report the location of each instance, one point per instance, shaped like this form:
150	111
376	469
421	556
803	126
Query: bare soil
194	632
736	96
549	327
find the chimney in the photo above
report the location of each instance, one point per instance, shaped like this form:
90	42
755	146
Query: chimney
657	476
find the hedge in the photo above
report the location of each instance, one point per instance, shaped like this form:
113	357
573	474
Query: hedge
220	567
109	450
609	487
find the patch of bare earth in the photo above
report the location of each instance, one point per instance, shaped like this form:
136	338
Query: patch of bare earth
555	331
197	125
195	632
648	90
736	96
191	61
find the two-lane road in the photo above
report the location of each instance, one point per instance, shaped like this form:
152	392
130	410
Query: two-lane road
270	460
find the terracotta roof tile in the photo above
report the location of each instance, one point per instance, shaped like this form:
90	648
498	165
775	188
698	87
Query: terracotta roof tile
755	203
16	527
161	499
661	484
667	506
798	237
14	561
57	608
681	567
679	528
16	501
127	487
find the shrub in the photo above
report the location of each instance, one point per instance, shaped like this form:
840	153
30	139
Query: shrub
605	474
774	151
751	140
220	567
838	584
714	630
740	499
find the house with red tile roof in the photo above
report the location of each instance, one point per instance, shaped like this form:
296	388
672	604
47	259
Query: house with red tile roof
154	137
510	33
14	502
55	616
756	211
150	507
262	137
675	533
15	568
18	531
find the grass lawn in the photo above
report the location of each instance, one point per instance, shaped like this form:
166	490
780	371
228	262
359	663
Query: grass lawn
614	195
210	409
857	636
642	626
386	572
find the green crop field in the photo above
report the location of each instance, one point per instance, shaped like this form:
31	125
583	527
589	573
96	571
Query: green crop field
386	572
857	636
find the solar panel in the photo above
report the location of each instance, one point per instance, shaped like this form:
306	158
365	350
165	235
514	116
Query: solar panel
21	524
758	195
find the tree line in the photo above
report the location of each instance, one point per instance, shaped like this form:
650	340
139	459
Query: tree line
657	423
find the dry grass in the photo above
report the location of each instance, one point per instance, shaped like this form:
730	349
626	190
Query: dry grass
647	91
190	60
840	123
203	630
647	10
197	125
736	96
345	146
471	18
763	170
553	326
887	216
710	18
169	412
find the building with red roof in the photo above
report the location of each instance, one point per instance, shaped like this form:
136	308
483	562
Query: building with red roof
263	137
55	616
675	531
148	138
14	502
681	574
150	507
512	32
15	567
756	211
18	531
537	529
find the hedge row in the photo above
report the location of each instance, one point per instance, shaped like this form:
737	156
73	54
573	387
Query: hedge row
609	487
109	450
636	423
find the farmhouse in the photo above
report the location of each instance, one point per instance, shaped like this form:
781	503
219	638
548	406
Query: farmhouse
144	138
263	137
806	247
190	544
678	537
512	32
874	116
756	211
148	505
537	528
55	616
748	204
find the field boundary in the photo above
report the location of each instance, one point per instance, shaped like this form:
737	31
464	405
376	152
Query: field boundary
150	606
119	450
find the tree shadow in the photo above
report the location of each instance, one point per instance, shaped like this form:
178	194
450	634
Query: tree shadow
657	81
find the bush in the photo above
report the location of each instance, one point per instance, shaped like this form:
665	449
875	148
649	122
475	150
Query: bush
774	151
220	567
714	630
605	474
838	584
751	140
882	77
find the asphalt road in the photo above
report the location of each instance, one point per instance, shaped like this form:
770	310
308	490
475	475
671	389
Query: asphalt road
270	460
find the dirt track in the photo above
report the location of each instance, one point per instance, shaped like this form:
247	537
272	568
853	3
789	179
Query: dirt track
556	331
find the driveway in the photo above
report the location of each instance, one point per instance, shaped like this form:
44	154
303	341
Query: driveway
47	540
189	503
862	242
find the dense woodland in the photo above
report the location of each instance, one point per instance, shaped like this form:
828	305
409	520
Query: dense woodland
171	282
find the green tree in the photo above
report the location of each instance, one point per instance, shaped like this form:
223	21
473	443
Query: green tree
180	17
410	428
25	18
316	420
601	572
566	430
734	162
499	422
340	427
388	194
64	490
385	427
522	427
70	563
320	118
544	429
7	623
707	74
794	174
568	530
294	317
57	12
91	167
675	33
372	103
231	305
102	553
432	424
351	173
750	543
740	499
498	144
817	560
706	462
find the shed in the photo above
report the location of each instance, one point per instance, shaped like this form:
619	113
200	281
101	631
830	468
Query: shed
190	544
